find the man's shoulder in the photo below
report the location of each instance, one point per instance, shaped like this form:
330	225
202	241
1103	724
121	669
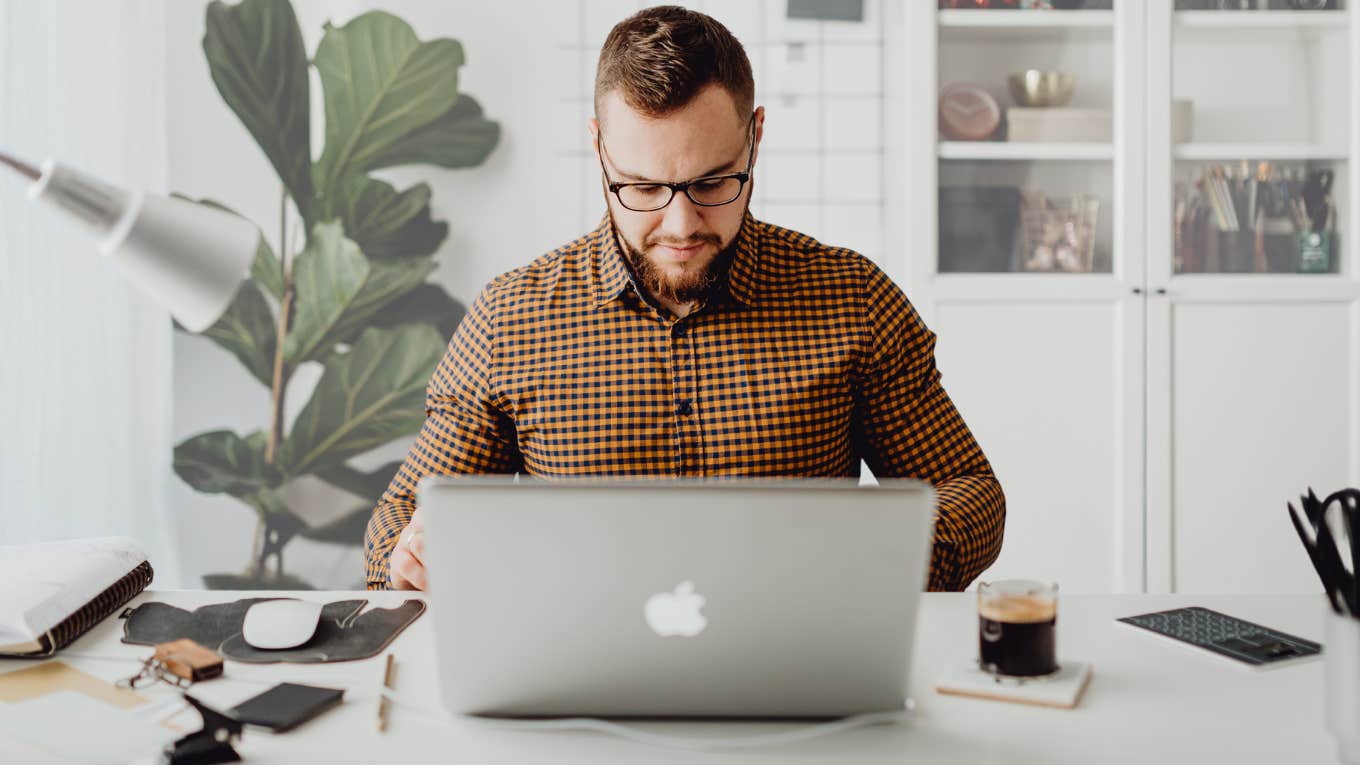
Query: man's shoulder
558	274
788	255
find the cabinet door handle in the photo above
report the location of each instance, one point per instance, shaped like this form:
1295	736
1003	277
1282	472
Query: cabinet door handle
1161	290
1137	290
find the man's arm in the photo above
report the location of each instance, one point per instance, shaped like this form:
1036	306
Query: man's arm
465	431
907	427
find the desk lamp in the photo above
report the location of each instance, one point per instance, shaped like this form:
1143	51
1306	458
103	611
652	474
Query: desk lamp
190	257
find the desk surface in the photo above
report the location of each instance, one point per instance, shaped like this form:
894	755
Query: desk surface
1149	700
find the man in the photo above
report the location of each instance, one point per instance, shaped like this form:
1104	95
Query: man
683	337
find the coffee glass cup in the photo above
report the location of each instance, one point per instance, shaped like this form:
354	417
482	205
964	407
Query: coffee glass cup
1017	629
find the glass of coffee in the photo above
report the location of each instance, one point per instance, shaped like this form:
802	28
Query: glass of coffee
1017	626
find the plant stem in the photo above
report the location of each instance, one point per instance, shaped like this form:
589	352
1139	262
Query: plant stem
280	381
257	548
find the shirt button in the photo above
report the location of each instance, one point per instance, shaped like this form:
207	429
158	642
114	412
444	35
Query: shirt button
684	409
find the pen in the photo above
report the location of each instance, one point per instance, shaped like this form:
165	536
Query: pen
382	697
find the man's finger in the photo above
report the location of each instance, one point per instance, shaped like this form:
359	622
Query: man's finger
414	572
416	544
407	573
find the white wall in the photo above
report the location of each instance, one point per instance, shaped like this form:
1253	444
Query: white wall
84	357
531	66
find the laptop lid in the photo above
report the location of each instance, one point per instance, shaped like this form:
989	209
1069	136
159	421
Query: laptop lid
789	598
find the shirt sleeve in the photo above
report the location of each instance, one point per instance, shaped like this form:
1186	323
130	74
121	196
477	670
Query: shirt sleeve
466	431
906	426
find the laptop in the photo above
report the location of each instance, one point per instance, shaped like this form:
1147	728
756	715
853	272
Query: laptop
627	598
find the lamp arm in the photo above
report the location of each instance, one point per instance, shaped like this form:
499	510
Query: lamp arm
25	169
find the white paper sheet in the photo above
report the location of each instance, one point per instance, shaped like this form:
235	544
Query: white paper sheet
78	729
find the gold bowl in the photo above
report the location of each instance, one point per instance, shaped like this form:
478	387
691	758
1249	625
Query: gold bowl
1036	87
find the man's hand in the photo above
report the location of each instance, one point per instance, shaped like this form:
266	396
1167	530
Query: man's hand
406	567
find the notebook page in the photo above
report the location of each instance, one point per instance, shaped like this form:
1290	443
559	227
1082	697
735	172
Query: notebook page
52	580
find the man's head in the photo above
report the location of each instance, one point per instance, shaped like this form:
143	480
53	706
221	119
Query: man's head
674	102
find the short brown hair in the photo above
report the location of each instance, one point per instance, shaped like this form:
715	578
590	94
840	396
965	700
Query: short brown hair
660	58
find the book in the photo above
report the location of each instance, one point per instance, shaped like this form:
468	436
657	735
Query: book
1062	690
59	590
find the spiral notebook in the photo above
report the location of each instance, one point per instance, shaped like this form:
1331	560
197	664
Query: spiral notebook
60	590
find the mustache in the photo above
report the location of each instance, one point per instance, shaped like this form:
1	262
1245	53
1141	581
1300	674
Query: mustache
693	242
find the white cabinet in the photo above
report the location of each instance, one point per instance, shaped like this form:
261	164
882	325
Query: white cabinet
1129	323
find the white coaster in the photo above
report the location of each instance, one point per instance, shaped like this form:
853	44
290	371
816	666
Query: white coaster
1062	690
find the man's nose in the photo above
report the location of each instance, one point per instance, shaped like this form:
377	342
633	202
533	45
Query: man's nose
681	218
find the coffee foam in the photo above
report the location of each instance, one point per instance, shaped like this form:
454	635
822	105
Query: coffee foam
1018	609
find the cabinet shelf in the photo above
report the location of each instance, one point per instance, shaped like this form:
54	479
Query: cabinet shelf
1018	151
1279	21
1008	19
1228	151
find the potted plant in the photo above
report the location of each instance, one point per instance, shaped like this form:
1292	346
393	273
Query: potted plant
352	294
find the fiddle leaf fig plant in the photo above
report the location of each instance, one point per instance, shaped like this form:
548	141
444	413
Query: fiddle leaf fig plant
354	296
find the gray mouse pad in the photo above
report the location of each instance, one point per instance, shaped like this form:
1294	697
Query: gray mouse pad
345	632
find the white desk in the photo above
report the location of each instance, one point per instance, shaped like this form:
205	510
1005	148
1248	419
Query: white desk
1150	701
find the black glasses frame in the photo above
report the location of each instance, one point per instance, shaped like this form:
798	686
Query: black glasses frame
744	177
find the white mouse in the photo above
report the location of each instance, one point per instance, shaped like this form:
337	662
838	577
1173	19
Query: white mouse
272	625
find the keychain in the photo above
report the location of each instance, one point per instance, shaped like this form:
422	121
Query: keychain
180	663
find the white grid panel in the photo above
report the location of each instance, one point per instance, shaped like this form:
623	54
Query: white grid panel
821	163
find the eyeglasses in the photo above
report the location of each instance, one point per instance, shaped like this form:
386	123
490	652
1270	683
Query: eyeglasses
709	191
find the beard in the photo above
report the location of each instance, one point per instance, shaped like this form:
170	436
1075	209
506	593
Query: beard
688	286
685	287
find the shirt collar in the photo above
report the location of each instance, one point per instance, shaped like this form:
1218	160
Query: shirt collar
611	275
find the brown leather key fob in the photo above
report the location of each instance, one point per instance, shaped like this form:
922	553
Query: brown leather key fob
188	660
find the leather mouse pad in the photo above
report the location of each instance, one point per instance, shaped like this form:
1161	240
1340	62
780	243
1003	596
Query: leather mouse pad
345	632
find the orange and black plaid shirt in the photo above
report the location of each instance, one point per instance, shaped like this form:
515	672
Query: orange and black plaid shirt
805	361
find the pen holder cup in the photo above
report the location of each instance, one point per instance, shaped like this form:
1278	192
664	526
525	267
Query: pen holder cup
1341	661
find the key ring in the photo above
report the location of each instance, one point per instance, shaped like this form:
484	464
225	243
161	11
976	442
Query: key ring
154	670
179	663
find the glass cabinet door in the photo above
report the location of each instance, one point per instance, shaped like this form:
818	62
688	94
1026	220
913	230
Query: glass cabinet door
1027	101
1260	136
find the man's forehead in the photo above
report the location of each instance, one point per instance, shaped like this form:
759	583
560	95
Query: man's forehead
698	139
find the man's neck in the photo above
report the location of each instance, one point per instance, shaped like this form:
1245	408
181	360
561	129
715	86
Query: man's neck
680	310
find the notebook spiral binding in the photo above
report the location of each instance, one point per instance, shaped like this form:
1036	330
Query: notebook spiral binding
97	610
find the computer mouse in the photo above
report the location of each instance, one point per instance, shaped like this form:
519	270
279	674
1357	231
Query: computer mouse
273	625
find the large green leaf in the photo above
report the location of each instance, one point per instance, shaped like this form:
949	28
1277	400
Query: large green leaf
248	331
365	398
348	529
370	485
221	462
385	223
381	83
461	137
259	63
388	280
327	276
426	304
338	291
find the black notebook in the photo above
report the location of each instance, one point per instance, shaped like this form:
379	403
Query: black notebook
57	591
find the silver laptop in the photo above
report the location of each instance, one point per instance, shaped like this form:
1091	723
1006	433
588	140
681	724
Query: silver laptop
672	598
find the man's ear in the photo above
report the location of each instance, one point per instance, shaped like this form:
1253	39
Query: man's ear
760	131
593	127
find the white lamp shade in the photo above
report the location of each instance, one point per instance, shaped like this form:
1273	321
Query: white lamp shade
189	257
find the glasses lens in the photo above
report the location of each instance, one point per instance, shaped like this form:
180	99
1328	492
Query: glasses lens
716	191
646	197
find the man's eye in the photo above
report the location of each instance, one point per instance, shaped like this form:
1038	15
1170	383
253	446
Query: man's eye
709	185
646	189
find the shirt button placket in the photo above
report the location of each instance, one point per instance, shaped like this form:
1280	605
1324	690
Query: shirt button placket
682	394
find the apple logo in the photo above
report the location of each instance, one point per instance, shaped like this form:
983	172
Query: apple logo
676	613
